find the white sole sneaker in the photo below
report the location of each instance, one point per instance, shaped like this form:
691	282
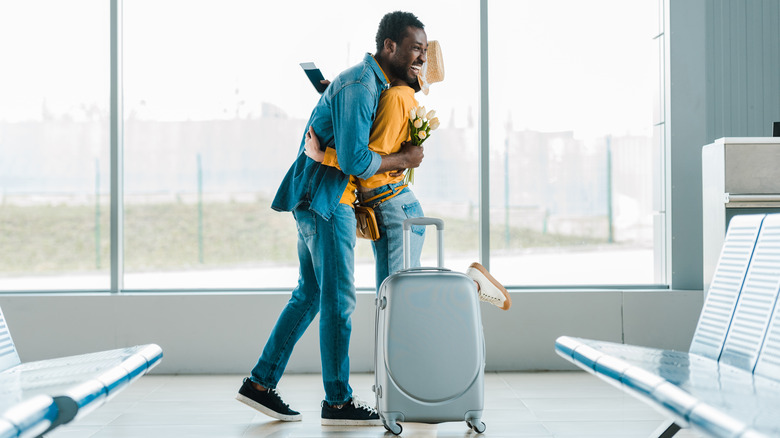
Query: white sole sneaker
352	413
490	290
331	422
271	413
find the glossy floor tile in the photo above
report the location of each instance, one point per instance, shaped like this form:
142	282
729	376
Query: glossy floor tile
545	404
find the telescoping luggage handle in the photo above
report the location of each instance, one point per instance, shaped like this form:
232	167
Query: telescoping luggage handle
408	235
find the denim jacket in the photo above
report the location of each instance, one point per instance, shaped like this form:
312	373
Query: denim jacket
342	119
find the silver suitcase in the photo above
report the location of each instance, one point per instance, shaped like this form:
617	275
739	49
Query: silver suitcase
430	351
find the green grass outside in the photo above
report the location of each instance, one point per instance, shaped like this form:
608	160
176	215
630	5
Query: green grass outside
158	237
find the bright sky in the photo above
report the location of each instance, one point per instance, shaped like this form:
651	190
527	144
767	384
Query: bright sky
555	64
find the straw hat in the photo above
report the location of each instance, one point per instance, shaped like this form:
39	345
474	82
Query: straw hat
433	69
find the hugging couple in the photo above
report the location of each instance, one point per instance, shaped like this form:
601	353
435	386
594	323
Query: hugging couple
355	147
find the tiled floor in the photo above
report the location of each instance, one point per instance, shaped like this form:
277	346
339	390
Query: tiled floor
552	404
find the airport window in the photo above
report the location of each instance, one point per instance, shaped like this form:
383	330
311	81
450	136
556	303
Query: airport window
54	99
571	146
214	106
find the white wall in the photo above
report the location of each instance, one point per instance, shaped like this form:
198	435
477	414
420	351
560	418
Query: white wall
224	333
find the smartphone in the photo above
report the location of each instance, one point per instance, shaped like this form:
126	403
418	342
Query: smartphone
315	76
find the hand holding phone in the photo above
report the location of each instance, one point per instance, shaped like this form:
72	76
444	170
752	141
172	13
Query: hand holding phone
315	76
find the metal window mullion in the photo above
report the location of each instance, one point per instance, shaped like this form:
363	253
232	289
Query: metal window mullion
116	149
484	139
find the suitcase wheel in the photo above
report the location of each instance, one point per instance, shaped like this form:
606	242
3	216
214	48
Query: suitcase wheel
394	427
477	426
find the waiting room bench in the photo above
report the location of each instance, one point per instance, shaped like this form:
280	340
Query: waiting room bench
728	383
36	397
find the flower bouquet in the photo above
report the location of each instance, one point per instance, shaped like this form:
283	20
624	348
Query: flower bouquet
420	126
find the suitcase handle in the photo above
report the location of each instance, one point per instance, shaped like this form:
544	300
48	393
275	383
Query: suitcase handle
408	235
423	221
427	269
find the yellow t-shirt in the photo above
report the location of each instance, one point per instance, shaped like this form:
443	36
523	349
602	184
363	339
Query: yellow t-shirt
390	129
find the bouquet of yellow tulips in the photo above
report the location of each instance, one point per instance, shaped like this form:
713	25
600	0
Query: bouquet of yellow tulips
420	126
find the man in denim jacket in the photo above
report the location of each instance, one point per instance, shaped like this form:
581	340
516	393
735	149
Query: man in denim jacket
319	199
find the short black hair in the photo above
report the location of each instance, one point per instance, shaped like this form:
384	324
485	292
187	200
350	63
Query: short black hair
393	25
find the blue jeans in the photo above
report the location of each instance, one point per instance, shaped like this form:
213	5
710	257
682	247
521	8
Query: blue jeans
390	215
326	252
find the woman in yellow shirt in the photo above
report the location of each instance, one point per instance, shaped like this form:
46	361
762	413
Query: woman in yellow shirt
392	200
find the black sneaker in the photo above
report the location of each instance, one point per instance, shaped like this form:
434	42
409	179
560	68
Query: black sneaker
268	402
353	413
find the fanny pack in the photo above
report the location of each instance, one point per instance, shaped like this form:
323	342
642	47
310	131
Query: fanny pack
367	226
